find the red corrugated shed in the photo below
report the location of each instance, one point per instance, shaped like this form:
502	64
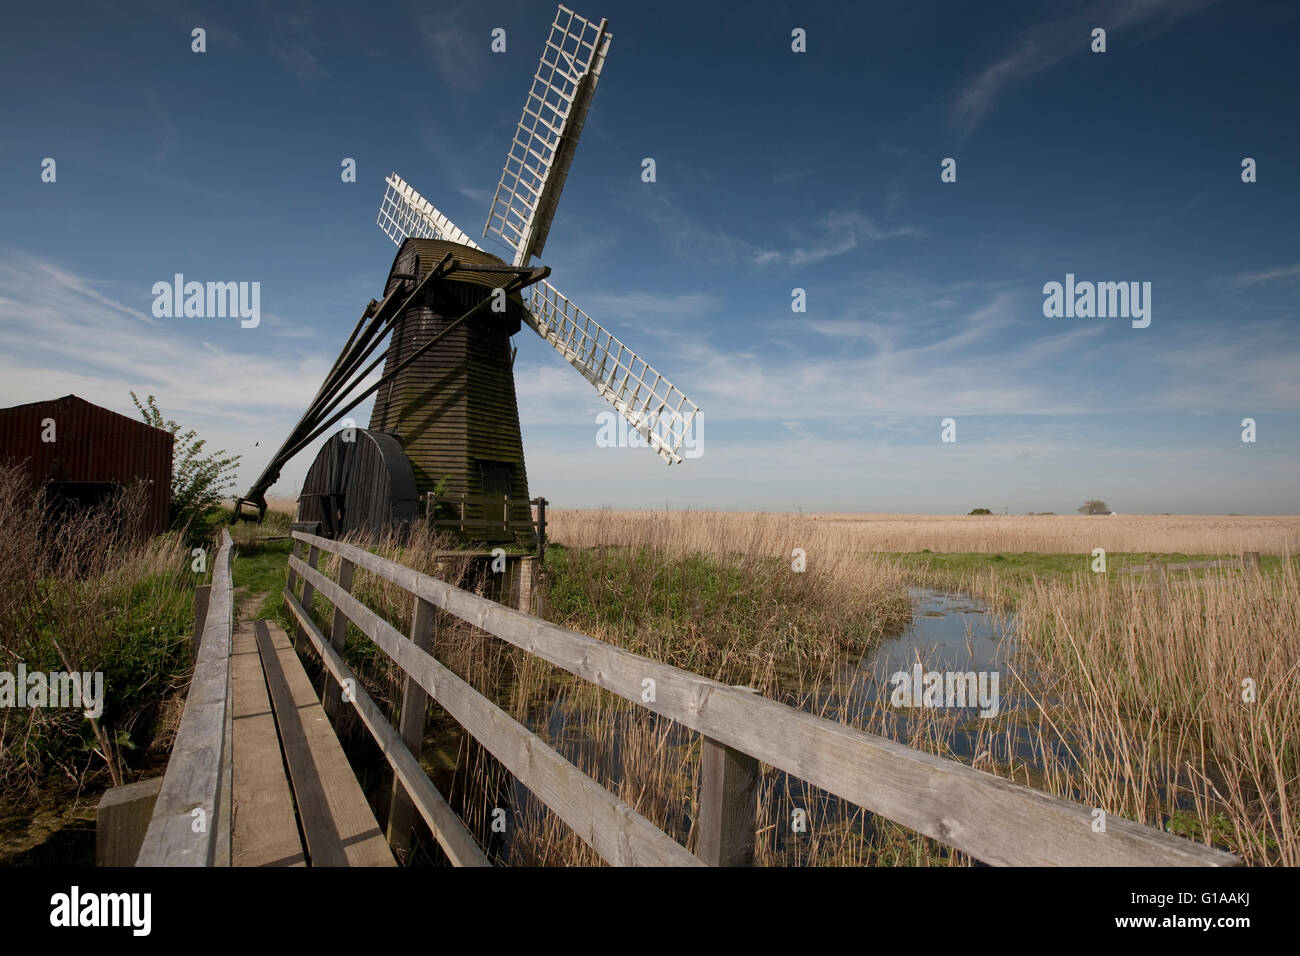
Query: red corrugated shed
92	445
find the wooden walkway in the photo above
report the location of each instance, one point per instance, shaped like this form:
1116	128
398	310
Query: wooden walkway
257	777
296	800
257	761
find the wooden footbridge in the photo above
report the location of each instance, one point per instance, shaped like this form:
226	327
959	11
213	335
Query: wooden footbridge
258	778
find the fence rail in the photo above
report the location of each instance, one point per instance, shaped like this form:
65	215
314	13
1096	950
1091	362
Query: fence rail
190	824
990	818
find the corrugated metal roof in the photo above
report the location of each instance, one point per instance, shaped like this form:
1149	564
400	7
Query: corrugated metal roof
91	444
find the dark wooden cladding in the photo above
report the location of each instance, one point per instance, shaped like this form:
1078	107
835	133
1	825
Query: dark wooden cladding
361	485
95	449
454	409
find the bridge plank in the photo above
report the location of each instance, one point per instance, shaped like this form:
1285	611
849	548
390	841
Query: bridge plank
338	824
446	827
265	826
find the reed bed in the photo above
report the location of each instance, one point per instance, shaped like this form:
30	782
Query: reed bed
1181	706
711	531
1126	699
89	592
743	618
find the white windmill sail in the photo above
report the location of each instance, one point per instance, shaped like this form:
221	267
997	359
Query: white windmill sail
659	411
521	213
542	149
404	212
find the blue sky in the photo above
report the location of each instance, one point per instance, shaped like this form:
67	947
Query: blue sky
775	170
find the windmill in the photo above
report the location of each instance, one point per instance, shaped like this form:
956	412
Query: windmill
446	415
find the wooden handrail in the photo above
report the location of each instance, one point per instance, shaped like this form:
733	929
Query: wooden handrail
990	818
190	824
610	826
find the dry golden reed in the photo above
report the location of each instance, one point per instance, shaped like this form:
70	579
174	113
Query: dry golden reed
1130	697
712	531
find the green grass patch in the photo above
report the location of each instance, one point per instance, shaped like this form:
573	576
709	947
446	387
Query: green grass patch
263	568
711	614
1019	569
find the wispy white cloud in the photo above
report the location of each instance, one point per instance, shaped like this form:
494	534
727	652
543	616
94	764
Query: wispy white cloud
299	61
1047	44
835	234
55	325
59	334
1255	372
791	176
455	53
686	235
1271	275
626	310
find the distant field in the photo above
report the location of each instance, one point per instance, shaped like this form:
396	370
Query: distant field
286	503
1063	534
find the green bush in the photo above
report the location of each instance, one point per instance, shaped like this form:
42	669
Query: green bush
199	480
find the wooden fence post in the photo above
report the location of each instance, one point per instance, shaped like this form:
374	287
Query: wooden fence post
292	578
308	592
122	820
201	594
728	804
333	698
541	529
523	580
401	812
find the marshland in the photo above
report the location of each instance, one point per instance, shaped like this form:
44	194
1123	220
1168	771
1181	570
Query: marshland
1117	694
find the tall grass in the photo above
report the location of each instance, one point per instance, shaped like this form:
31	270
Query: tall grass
1127	699
711	531
1178	705
88	593
1131	697
746	618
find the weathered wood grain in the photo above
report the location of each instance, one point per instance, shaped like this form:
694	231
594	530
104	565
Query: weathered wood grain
337	823
122	819
196	773
332	700
454	406
447	829
411	726
308	596
728	805
265	827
